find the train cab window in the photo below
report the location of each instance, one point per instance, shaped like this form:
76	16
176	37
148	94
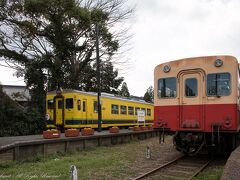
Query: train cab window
95	106
148	112
69	103
123	109
136	110
130	110
60	104
114	109
191	87
84	106
218	84
167	87
50	104
79	105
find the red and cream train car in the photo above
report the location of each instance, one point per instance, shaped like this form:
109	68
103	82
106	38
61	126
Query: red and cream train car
198	98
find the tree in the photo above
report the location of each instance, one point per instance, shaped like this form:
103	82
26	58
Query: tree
124	90
149	95
17	120
109	79
52	42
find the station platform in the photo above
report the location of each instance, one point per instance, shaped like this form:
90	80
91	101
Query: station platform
22	148
9	141
231	169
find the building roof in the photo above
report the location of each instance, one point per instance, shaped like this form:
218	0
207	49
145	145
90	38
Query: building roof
16	92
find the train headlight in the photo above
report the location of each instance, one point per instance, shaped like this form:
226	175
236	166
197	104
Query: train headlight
166	68
218	63
47	116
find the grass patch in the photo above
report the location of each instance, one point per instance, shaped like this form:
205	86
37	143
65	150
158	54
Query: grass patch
213	173
123	161
93	163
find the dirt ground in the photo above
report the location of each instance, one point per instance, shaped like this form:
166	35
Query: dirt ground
160	154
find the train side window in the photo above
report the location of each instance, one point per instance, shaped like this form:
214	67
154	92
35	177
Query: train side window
123	109
143	109
130	110
191	87
84	106
69	103
148	112
219	84
114	109
60	104
136	109
50	104
167	87
79	105
95	106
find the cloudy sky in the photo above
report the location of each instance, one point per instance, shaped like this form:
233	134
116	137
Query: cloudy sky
171	29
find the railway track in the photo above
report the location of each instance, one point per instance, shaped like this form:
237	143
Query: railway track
183	167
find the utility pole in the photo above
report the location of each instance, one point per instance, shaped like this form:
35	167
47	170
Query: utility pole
98	82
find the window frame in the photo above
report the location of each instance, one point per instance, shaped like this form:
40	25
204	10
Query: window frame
79	105
131	110
95	106
66	104
159	97
230	84
137	108
51	105
121	112
60	104
115	110
149	110
185	88
84	106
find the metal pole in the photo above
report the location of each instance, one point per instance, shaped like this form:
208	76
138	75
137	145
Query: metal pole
98	82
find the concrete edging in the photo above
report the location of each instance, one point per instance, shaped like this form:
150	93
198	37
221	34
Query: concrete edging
25	150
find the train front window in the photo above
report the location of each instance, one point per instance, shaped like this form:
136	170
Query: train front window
50	104
69	103
167	87
218	84
191	87
60	104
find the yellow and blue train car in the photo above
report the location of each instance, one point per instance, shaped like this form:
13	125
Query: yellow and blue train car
78	109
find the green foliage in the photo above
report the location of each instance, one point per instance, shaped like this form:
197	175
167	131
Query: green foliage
124	90
16	120
109	79
53	42
149	95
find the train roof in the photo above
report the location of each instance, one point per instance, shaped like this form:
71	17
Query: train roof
207	63
106	95
200	57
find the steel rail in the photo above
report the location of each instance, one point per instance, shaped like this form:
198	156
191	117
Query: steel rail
158	168
198	170
201	168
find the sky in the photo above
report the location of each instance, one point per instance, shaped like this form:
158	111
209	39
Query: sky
165	30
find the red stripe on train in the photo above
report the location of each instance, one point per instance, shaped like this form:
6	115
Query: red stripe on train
197	117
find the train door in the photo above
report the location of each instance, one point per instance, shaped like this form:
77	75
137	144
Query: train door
69	109
59	110
191	100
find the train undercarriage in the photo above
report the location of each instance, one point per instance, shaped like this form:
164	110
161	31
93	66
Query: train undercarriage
192	143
